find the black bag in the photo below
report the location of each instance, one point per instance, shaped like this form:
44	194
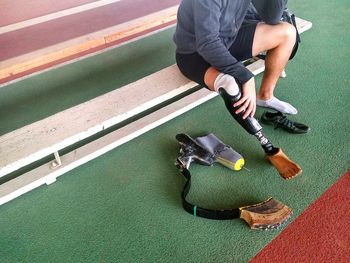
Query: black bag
289	17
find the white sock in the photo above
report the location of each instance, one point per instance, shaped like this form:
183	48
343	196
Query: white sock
277	104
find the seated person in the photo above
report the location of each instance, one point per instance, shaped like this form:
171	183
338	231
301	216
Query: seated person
212	38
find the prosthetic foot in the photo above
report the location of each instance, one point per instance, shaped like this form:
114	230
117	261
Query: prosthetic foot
285	167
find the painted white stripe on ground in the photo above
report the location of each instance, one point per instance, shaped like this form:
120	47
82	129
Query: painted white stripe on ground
59	14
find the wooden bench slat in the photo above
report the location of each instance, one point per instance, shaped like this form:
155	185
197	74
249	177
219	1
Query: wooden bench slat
302	25
37	140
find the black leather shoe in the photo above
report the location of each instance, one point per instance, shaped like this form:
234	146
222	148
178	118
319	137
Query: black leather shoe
281	121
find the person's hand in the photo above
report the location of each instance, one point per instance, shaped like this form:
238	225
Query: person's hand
247	102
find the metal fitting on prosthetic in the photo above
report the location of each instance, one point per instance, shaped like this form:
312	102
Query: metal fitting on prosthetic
191	151
269	214
266	144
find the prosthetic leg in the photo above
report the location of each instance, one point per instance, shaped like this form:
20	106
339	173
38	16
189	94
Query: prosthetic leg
269	214
286	168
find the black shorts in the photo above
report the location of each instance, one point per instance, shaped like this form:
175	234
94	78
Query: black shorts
193	66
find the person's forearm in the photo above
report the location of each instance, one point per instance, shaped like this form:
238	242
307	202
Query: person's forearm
270	10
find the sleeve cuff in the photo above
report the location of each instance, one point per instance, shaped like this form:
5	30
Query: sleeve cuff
243	74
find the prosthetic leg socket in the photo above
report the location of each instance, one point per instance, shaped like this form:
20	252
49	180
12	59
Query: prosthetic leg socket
224	153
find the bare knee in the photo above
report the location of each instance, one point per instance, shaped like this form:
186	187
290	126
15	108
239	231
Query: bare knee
210	76
287	33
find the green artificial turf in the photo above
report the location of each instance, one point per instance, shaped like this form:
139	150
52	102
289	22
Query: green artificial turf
125	206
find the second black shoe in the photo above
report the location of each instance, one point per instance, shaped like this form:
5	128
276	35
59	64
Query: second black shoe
279	120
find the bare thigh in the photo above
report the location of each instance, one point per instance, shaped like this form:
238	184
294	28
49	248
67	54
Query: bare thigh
268	37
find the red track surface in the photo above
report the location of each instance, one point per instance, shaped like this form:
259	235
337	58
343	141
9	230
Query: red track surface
42	35
20	10
320	234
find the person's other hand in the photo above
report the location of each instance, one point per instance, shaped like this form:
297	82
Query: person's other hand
247	102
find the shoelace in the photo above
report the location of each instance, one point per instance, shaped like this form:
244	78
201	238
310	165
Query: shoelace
284	121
